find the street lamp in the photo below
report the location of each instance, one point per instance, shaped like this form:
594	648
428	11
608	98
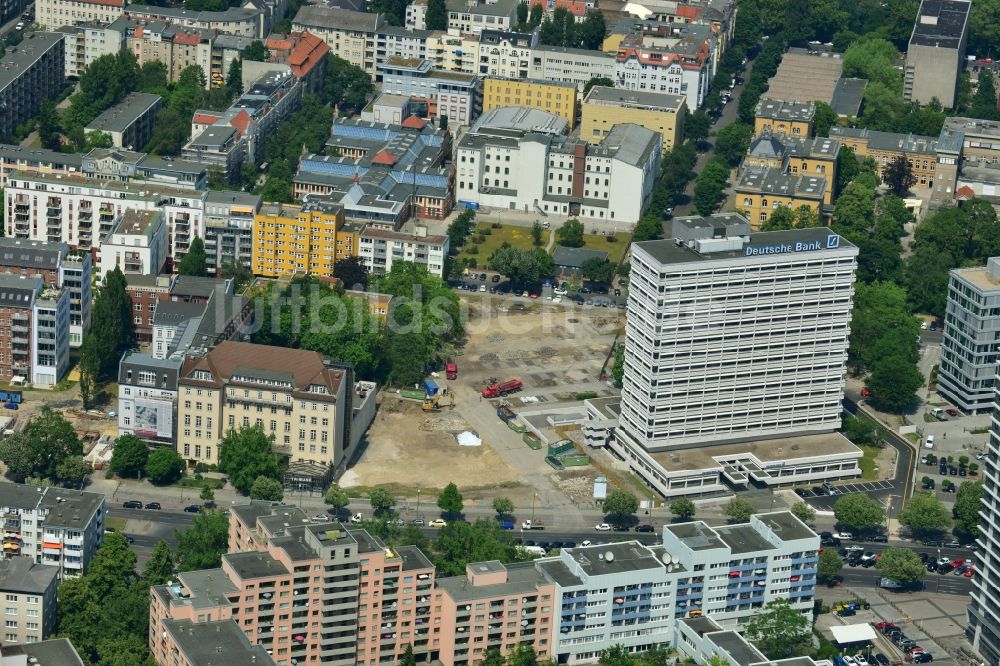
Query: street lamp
534	496
418	502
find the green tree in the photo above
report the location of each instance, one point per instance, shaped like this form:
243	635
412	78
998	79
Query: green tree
620	507
246	454
732	142
207	495
901	565
264	488
129	456
803	512
984	102
859	512
859	431
460	543
336	498
522	17
968	504
709	186
697	125
829	565
48	126
894	382
898	176
739	510
47	440
72	472
201	546
160	566
437	15
535	18
596	269
237	272
164	466
90	369
352	272
503	506
537	238
823	119
111	322
493	656
875	60
450	500
407	658
602	81
256	51
618	368
683	508
780	630
346	86
780	219
193	263
522	267
382	501
924	514
570	233
234	77
590	33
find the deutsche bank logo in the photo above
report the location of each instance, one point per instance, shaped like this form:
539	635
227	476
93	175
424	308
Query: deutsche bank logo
832	241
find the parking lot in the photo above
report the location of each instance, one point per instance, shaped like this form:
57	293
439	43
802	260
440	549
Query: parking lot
818	498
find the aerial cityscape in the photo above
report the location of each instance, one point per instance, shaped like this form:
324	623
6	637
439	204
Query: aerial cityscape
500	332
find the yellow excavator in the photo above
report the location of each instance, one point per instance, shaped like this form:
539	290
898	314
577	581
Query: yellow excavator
432	403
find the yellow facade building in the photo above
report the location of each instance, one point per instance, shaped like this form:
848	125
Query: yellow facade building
798	157
604	107
550	96
781	117
760	190
299	239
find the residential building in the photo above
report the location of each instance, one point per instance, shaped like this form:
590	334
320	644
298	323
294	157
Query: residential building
778	116
229	228
796	156
220	643
303	53
382	173
474	16
351	35
136	244
303	401
87	41
760	190
416	15
289	240
130	122
34	331
57	651
503	53
379	248
57	527
30	74
19	158
980	139
248	20
226	140
737	422
968	368
59	267
29	591
604	107
521	119
936	52
552	97
81	211
579	66
886	147
195	315
54	14
673	63
147	397
454	95
130	166
144	291
612	179
174	45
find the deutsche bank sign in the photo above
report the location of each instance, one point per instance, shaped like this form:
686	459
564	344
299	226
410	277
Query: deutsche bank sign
832	242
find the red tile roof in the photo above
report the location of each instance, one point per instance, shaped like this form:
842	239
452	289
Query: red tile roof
205	118
187	38
241	121
414	122
384	157
302	51
965	193
575	7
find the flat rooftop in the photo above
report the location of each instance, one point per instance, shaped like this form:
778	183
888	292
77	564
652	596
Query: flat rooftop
522	578
614	558
764	450
806	76
941	23
979	277
123	115
743	539
738	648
255	565
667	251
785	525
634	99
220	643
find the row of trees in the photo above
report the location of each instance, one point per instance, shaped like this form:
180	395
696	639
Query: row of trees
561	29
111	332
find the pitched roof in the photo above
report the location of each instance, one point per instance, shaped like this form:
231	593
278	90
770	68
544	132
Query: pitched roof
384	157
414	122
241	121
964	193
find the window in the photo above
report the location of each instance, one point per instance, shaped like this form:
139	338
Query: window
11	597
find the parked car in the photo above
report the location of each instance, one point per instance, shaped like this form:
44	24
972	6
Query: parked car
923	658
132	504
602	527
193	508
419	522
951	411
357	518
879	538
154	506
438	522
320	518
645	528
881	659
129	539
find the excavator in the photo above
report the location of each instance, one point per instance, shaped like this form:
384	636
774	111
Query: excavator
432	403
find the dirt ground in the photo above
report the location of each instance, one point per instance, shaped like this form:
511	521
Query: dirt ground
408	449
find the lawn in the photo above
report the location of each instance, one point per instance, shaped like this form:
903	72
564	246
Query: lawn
867	462
600	242
519	237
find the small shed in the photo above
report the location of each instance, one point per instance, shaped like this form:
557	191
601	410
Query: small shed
570	259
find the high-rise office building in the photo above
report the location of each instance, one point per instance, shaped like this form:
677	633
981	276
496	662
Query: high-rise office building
734	338
971	331
984	609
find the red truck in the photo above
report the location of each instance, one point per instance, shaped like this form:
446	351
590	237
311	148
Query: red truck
451	369
503	388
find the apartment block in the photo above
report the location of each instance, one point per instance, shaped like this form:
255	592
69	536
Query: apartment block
454	95
936	52
677	63
247	20
612	179
87	41
229	228
133	167
578	66
474	16
351	35
777	116
760	190
57	527
296	239
303	53
19	158
59	267
968	368
796	156
380	248
57	651
31	73
604	107
185	643
34	330
886	147
557	98
54	14
130	122
147	397
29	592
136	244
195	315
983	630
81	211
176	46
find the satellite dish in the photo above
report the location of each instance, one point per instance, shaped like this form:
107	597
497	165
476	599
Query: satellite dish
609	556
674	559
667	558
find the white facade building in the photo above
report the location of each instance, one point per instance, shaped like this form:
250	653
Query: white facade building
971	332
534	172
735	353
147	398
984	610
379	248
50	342
86	42
555	63
55	526
137	244
54	14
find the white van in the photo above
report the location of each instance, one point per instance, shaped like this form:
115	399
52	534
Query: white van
533	550
929	442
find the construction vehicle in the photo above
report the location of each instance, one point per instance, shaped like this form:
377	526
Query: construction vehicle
503	388
432	403
451	369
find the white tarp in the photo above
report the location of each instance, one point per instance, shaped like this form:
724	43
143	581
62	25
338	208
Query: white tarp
468	438
853	633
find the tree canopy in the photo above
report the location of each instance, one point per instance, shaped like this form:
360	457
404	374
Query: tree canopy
522	267
620	507
968	504
739	510
129	456
858	511
901	565
194	261
925	514
164	466
450	500
780	631
201	546
245	455
38	451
